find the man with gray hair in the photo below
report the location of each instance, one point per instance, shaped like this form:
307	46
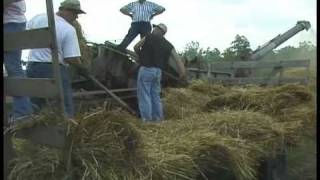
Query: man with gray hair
154	52
141	12
40	60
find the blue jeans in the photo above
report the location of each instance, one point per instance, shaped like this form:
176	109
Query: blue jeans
12	61
45	70
142	28
148	92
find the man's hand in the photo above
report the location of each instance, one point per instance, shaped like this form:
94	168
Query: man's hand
138	46
76	63
82	70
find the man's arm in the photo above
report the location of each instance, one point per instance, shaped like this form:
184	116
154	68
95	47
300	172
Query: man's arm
76	63
72	60
157	10
180	65
138	46
126	10
157	13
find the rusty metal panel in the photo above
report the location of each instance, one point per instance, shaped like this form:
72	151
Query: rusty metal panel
34	87
54	136
37	38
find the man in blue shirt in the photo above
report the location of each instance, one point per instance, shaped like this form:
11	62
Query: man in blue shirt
141	12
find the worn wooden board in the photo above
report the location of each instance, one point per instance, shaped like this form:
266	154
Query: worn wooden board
30	39
34	87
258	80
260	64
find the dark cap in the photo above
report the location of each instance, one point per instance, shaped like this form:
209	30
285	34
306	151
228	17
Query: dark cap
73	5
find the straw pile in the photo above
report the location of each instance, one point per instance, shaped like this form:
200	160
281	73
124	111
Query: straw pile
179	103
188	150
104	143
210	132
86	57
206	145
268	100
300	73
86	52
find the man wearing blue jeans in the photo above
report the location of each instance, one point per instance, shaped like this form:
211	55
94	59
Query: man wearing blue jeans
45	70
141	12
14	20
154	52
40	63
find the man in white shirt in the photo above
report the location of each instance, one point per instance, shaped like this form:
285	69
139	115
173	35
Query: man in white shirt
40	60
14	20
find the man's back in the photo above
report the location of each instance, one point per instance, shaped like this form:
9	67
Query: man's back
14	12
155	51
67	40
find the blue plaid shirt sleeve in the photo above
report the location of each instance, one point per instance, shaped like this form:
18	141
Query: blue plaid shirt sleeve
156	7
129	7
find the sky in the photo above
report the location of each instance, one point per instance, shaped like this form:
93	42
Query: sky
212	23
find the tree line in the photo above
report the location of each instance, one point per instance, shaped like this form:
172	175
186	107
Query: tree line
240	50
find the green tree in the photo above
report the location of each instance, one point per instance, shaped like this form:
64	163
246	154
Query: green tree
305	50
192	50
239	49
212	55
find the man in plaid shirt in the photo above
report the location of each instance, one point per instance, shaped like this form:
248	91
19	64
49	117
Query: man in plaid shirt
141	12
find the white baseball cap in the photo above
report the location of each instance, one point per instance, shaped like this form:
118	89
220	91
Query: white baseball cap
161	26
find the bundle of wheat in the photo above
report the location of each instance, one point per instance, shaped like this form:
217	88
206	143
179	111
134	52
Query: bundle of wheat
268	100
178	150
208	88
104	143
180	103
209	132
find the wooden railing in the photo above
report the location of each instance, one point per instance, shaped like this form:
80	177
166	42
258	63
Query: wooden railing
225	72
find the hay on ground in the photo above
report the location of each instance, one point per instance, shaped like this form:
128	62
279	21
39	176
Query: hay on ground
207	134
104	144
268	100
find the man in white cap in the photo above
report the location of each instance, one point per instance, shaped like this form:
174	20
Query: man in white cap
154	52
40	63
141	13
